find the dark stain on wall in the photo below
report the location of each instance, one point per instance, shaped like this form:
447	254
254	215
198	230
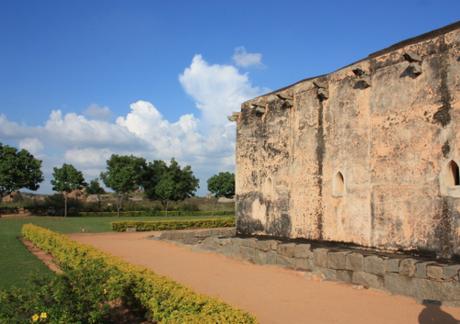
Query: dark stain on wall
246	225
444	231
446	149
440	63
320	151
280	226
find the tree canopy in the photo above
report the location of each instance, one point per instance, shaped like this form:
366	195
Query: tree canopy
124	175
169	182
67	179
222	185
94	188
18	169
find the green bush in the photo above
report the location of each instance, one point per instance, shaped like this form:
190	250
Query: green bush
53	205
75	297
163	299
159	213
173	224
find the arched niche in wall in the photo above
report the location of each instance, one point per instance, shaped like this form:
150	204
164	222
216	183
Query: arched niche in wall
338	185
450	179
453	177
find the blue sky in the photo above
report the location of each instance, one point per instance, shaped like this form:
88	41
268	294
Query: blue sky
160	76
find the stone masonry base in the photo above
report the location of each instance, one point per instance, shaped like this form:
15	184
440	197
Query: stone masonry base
398	274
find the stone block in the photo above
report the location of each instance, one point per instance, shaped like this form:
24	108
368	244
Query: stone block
451	272
210	243
287	249
434	271
285	261
230	250
266	245
420	269
367	280
344	275
397	284
249	242
305	264
302	251
392	265
237	241
337	260
407	267
320	257
326	273
260	257
355	262
271	257
247	253
436	290
374	264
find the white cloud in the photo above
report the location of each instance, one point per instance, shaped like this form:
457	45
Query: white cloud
87	140
95	111
244	59
88	157
218	90
33	145
74	129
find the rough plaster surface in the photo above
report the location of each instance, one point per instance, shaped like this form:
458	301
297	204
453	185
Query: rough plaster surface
389	124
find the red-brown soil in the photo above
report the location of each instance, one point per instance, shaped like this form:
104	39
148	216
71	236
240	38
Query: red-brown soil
272	294
46	258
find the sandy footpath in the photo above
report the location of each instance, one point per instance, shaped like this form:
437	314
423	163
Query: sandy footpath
272	294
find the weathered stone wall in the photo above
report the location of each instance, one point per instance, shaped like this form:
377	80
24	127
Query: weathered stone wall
398	274
387	125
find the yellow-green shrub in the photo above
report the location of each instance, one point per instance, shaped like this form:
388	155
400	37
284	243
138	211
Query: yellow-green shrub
165	300
173	224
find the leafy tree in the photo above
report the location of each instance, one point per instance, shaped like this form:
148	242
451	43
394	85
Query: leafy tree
222	185
164	191
169	183
18	169
67	179
124	174
152	176
94	188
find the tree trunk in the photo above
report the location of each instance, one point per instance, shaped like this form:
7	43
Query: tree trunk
119	203
98	202
65	204
165	206
216	201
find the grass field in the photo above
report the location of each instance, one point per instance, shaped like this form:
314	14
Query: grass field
17	264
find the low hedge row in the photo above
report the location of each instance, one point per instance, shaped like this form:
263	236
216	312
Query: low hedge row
147	213
173	224
163	299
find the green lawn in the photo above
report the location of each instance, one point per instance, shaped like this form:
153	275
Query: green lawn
16	263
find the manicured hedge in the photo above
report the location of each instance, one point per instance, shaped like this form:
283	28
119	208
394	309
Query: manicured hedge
173	224
147	213
165	300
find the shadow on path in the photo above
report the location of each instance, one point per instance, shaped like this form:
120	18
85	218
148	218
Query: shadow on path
433	314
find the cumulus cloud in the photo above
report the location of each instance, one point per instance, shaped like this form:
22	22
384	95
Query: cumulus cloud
88	157
244	59
74	129
33	145
218	90
95	111
87	140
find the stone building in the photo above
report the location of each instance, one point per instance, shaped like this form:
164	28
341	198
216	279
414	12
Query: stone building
368	154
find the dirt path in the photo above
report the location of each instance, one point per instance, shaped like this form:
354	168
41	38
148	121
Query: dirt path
273	294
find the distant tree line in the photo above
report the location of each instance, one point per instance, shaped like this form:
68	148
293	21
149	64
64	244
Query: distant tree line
124	174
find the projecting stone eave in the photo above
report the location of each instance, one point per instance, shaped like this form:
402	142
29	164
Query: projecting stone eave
409	46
